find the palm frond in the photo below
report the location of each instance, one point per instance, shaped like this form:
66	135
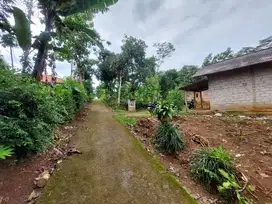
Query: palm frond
67	8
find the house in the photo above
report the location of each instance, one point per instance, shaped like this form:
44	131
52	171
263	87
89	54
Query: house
239	84
47	79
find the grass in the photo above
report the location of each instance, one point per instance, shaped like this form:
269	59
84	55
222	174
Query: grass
205	165
130	118
123	119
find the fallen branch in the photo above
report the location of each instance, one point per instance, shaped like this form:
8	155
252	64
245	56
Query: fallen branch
245	185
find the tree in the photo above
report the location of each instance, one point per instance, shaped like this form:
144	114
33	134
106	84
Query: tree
264	44
164	50
138	67
225	55
76	45
149	91
186	75
53	11
208	60
105	71
168	81
244	51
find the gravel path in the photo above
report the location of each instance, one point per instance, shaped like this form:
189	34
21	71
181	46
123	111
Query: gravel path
113	169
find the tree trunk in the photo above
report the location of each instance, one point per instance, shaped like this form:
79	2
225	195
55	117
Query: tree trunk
42	50
119	90
11	57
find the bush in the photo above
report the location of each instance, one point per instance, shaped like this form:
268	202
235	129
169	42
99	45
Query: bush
205	165
176	98
168	139
230	190
30	111
164	111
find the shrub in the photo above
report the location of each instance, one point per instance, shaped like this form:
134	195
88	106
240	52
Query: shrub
164	111
168	139
230	189
29	111
205	165
176	98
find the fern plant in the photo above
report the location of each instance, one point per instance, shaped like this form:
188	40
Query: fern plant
5	152
205	165
168	139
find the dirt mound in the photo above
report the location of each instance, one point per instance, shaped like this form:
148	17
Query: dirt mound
146	127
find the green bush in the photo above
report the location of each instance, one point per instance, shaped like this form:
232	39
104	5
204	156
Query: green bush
29	110
168	139
164	111
205	165
176	98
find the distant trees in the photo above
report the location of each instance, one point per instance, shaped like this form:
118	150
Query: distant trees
132	68
228	53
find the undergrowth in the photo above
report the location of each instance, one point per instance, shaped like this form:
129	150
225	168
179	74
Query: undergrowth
127	121
205	165
168	139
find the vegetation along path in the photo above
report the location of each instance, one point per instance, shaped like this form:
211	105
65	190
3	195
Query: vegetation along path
113	168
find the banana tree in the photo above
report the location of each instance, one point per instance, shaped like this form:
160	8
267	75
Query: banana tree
53	11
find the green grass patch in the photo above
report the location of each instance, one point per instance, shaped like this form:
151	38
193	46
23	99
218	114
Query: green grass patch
127	121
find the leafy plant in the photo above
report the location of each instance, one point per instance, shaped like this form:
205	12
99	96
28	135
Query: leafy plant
5	152
230	189
30	111
164	111
168	139
176	98
205	165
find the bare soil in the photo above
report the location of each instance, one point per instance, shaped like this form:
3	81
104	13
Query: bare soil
249	141
17	176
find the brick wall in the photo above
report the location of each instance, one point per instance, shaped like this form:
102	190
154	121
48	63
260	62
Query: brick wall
247	89
263	81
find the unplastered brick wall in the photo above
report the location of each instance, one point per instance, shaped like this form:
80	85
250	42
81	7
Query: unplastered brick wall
263	84
231	90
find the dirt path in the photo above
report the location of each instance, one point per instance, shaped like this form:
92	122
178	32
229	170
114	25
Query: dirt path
112	169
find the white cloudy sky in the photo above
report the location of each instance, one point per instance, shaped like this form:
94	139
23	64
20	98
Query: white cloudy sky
195	27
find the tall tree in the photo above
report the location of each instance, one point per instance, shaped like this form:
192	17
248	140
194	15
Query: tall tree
134	55
164	50
53	11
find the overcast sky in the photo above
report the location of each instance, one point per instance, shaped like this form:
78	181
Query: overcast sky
195	27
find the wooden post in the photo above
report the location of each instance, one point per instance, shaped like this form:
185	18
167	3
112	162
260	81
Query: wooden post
185	99
201	99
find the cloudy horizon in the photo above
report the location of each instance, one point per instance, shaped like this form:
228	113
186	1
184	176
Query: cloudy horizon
196	27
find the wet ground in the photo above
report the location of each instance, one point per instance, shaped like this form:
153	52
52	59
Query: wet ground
113	168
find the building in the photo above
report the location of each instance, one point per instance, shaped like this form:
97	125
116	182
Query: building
47	79
239	84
